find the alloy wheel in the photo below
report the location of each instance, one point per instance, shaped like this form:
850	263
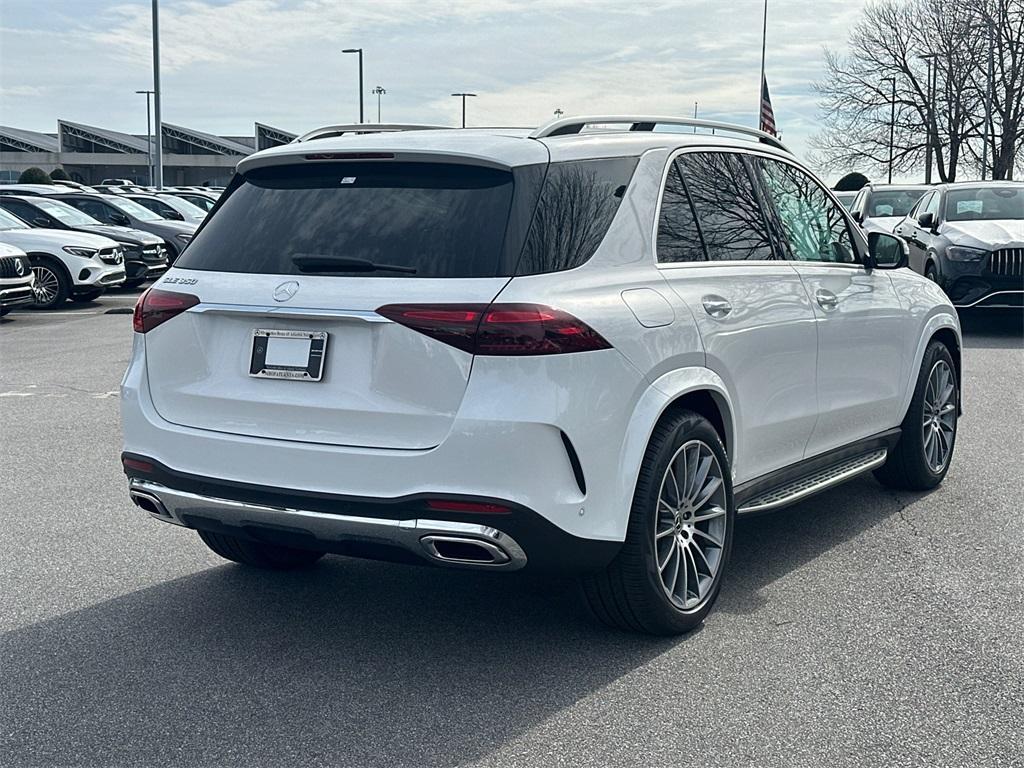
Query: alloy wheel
938	424
47	284
690	532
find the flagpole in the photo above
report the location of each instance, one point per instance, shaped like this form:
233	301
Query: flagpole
764	45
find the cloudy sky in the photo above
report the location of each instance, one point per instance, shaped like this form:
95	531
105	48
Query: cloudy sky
228	63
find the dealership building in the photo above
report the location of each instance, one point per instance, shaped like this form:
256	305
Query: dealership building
90	154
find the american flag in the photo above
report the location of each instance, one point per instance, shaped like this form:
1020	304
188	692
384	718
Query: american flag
767	113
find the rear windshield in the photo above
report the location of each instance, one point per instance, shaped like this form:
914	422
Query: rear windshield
443	220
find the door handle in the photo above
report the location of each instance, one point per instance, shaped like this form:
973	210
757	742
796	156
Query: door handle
826	299
716	306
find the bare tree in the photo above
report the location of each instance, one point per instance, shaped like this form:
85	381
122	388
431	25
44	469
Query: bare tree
998	80
895	39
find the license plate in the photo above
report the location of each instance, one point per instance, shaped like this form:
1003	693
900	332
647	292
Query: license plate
296	355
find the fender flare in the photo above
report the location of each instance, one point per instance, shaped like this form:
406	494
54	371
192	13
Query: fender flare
651	406
940	320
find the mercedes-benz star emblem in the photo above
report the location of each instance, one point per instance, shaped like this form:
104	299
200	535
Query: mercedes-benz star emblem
285	291
19	267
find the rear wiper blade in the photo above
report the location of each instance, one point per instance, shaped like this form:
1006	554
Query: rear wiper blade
314	263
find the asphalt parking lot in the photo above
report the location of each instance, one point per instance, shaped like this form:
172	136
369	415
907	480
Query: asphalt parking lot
860	628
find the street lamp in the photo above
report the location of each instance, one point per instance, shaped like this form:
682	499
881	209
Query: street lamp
558	113
933	71
892	123
380	92
149	138
463	95
360	52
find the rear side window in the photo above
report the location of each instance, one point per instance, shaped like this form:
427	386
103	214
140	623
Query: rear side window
98	210
678	234
575	210
443	220
728	210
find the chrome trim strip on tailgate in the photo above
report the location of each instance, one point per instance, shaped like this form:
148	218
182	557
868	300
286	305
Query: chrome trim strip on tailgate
367	316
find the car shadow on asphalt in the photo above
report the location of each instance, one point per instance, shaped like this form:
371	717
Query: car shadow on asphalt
994	329
349	662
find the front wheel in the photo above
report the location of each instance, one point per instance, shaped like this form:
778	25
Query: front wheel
52	286
668	574
257	553
921	458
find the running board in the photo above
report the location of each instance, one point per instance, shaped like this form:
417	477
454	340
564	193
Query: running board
794	491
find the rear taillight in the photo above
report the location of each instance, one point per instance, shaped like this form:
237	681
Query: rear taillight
499	329
156	306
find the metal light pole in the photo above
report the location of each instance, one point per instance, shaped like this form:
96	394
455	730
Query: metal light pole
360	52
149	139
930	96
158	152
989	125
558	113
695	115
463	95
892	123
380	92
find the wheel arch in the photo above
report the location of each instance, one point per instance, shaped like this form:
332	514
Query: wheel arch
948	338
942	326
698	389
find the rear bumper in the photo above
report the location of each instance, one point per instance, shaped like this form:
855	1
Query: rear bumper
391	530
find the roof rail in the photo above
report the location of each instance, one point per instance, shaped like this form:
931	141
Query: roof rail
567	126
329	131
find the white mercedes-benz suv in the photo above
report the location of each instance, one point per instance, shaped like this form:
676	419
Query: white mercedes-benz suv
580	348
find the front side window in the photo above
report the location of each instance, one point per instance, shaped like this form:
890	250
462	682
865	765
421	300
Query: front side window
814	226
932	206
10	221
133	209
66	214
20	209
985	203
678	234
97	209
728	211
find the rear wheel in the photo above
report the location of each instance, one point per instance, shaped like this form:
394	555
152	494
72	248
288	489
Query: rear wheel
669	571
922	456
52	285
258	554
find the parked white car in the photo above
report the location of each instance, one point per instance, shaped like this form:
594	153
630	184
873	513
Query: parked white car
16	278
580	349
66	264
880	207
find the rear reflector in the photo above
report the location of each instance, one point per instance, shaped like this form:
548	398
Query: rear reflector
156	306
499	329
450	505
137	465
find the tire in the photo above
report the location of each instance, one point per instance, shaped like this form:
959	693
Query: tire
911	465
52	286
258	554
134	283
631	593
931	273
87	296
4	311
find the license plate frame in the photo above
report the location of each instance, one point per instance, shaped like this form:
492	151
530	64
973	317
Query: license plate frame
312	371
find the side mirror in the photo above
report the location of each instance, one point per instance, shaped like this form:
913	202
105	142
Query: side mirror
175	216
120	220
41	221
926	220
886	251
858	217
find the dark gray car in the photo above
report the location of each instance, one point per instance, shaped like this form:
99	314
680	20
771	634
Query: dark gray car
969	238
122	212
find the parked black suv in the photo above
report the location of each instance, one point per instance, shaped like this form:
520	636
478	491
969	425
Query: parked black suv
145	256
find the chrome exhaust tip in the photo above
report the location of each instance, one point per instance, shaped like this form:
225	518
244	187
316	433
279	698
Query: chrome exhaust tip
461	550
150	503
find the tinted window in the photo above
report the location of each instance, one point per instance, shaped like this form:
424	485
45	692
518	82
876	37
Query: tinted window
932	205
920	205
727	207
443	220
813	224
20	209
10	221
133	209
678	234
576	207
95	208
985	203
